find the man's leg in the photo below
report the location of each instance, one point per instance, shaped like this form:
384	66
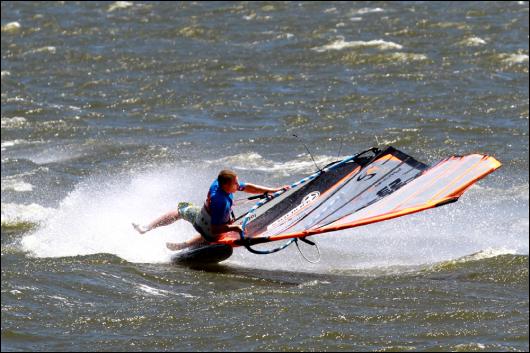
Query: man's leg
197	240
164	220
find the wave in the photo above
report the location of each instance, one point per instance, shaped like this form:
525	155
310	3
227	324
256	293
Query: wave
11	27
355	58
16	185
366	10
12	143
47	49
254	161
96	218
119	5
472	42
14	122
514	58
342	44
15	214
489	265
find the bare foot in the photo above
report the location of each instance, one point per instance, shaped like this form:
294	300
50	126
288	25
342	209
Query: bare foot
176	246
139	229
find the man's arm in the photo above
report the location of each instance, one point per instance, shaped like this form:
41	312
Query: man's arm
258	189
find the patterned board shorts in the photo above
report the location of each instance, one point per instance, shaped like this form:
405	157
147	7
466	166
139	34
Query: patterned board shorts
188	211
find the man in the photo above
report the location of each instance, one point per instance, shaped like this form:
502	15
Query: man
215	217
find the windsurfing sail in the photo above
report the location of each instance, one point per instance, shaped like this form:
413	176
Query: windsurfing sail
373	186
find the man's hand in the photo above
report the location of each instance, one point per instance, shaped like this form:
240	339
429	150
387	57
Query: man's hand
223	228
140	229
285	188
236	228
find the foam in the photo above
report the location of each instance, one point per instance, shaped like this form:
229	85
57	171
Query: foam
11	27
16	121
487	254
13	213
367	10
47	49
341	44
12	143
472	42
119	5
515	58
96	218
16	185
255	162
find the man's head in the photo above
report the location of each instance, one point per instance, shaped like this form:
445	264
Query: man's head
228	181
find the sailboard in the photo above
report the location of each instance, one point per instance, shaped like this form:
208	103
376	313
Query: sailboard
372	186
203	255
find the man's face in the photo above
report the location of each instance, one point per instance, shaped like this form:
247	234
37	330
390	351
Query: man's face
231	186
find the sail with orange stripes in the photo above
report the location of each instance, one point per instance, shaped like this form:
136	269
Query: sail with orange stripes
373	186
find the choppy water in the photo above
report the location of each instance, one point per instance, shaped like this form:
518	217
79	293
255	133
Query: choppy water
113	112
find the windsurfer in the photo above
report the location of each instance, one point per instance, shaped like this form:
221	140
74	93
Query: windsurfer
215	217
